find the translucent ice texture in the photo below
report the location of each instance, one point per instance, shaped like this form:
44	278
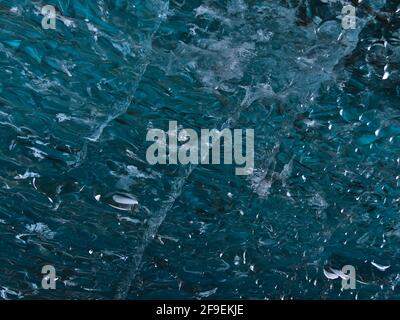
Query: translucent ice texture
76	190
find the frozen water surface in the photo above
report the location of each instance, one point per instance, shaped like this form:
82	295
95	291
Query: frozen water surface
77	192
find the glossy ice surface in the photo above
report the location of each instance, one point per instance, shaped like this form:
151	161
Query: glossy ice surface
76	191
